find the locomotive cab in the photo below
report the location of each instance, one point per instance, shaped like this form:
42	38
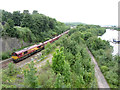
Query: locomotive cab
14	56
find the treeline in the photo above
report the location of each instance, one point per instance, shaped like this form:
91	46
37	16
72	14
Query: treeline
102	51
73	23
33	27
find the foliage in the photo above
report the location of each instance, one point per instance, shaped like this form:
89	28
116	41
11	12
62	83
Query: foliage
40	27
46	76
58	61
11	69
102	51
78	72
25	34
8	86
6	55
59	81
30	79
48	48
17	18
66	72
27	20
96	43
104	68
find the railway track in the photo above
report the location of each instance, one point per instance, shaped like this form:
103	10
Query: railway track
5	62
21	63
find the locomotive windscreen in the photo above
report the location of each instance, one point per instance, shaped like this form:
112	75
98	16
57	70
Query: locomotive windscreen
14	54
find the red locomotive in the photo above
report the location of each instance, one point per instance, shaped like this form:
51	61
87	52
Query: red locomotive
22	54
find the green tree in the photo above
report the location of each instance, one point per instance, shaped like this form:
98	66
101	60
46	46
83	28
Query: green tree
26	11
27	21
17	18
9	27
67	72
6	15
58	61
35	12
11	23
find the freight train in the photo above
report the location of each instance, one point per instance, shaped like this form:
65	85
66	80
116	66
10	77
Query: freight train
26	52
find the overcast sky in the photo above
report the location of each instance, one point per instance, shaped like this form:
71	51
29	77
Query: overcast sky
100	12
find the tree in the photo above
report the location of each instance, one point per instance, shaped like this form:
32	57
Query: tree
86	35
58	61
11	23
6	15
26	11
9	27
66	72
17	18
35	12
27	21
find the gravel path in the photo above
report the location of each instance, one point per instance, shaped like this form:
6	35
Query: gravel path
102	83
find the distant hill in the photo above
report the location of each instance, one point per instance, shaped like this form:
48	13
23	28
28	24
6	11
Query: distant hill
73	23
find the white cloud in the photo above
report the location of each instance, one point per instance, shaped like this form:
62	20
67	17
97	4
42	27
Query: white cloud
87	11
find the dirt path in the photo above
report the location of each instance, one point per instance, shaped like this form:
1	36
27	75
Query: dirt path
102	83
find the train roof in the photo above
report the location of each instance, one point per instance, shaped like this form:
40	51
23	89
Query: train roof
39	44
26	49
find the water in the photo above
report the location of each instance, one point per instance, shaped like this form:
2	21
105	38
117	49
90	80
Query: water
109	35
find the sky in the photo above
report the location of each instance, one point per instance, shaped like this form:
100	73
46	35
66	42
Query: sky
98	12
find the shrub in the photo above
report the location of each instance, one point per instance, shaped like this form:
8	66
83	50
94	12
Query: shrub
6	55
30	80
11	69
59	81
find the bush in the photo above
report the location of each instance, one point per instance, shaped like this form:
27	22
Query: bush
30	80
104	68
11	69
6	55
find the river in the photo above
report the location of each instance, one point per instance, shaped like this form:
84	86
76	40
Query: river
109	35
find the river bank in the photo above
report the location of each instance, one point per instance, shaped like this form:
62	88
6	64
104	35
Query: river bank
109	35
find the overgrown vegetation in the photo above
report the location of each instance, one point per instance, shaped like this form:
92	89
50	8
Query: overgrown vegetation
71	64
33	27
77	70
101	50
29	27
103	53
30	79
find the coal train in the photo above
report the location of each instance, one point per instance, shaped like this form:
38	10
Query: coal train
26	52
